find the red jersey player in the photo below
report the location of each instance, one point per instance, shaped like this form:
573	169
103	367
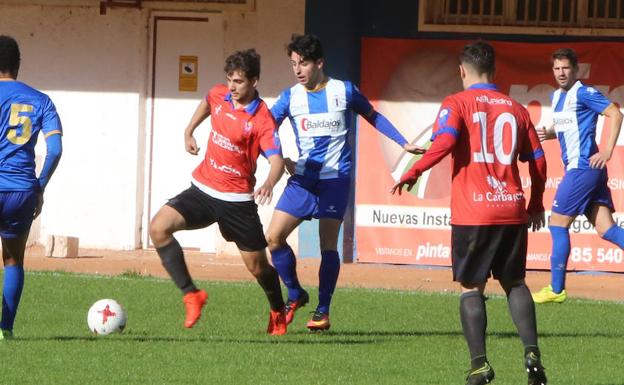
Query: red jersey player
222	186
486	132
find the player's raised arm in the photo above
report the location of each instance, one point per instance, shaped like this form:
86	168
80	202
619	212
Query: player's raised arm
444	138
362	106
600	159
201	113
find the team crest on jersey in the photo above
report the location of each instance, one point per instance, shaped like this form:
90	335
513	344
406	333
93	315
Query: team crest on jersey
248	126
591	90
218	109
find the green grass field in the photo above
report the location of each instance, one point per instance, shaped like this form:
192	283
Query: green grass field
377	337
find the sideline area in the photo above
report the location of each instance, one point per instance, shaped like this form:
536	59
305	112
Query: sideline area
204	266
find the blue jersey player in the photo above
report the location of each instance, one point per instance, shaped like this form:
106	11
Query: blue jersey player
321	111
24	113
583	189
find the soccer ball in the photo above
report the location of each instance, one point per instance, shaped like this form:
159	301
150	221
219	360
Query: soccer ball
106	316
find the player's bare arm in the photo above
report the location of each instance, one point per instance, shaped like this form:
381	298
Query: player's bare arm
264	193
600	159
290	164
546	133
201	113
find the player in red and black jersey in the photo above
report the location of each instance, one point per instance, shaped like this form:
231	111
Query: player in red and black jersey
486	132
222	186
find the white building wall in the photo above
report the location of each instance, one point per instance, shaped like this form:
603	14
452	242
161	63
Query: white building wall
95	68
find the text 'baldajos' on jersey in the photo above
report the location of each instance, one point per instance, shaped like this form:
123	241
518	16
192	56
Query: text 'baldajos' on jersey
237	138
575	114
322	120
491	130
24	112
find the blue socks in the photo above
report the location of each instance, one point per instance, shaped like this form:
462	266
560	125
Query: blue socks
285	263
559	257
615	235
328	276
11	294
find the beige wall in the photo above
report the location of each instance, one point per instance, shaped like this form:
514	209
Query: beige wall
96	69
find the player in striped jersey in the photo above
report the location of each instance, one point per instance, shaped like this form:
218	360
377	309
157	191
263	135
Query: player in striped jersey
321	112
24	113
583	189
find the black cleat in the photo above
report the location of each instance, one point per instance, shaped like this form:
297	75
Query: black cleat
535	370
482	376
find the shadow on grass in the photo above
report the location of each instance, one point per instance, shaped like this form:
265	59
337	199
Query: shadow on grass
260	341
326	338
442	333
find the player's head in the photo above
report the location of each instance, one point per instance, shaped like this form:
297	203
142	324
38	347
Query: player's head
242	70
9	56
306	57
477	60
565	67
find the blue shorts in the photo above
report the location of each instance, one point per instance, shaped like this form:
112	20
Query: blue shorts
16	212
307	198
580	189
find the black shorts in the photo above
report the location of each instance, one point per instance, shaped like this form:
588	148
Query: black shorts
479	252
238	221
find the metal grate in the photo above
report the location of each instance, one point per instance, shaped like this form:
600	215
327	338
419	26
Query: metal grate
605	13
598	14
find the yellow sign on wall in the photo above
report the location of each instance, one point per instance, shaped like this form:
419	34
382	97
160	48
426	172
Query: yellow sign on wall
188	74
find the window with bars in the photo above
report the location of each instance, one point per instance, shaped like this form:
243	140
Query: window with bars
603	17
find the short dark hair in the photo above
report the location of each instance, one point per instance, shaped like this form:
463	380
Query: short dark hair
247	61
9	55
565	53
480	56
307	46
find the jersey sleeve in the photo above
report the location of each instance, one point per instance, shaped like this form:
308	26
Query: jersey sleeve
593	99
268	138
356	101
448	120
50	122
531	151
530	146
281	108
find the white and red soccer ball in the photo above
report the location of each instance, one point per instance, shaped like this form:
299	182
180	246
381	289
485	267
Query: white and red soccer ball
106	316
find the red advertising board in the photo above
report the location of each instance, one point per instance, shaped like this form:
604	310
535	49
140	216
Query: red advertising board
406	80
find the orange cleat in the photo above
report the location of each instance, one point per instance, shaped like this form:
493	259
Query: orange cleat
277	323
293	304
319	322
194	302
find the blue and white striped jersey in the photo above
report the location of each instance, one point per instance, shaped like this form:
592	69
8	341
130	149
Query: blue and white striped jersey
322	120
575	114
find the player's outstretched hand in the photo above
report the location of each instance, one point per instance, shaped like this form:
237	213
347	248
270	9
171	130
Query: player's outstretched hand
39	205
191	145
599	159
264	194
290	166
544	133
408	179
536	221
414	149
